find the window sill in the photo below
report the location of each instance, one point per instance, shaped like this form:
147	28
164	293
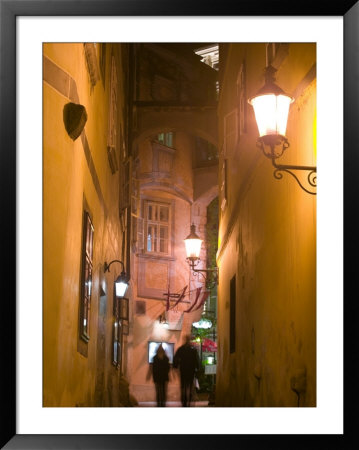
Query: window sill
156	256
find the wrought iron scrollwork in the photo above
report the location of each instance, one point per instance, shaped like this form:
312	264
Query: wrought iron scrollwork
274	149
276	146
290	169
210	276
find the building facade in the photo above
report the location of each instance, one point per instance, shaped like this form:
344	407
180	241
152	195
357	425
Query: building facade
174	172
85	140
267	236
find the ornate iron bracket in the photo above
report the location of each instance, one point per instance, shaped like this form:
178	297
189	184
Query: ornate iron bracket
106	267
210	276
277	145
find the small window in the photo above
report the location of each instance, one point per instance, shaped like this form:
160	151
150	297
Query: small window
232	315
86	278
112	120
157	227
103	62
166	139
242	99
230	128
116	355
117	334
91	56
223	185
206	153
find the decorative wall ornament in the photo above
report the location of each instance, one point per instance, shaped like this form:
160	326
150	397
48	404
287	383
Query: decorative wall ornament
75	118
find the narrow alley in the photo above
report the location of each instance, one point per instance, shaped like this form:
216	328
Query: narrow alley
179	203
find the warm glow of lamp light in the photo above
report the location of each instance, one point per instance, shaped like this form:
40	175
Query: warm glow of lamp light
193	244
121	282
121	285
271	108
271	112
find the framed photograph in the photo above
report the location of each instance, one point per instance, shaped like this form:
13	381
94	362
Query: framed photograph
32	82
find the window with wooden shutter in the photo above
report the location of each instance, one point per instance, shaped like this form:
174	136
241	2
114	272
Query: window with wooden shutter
125	184
230	131
86	277
242	100
223	185
137	234
112	121
92	63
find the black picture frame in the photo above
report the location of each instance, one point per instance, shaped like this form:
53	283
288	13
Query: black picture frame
9	10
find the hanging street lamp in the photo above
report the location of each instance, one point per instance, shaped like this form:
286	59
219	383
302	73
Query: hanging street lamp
121	282
193	248
271	108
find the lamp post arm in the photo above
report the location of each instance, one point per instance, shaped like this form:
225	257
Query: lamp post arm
212	279
292	166
311	178
107	266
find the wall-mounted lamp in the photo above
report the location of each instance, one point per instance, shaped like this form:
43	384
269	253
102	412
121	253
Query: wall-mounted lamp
121	282
193	247
163	320
271	108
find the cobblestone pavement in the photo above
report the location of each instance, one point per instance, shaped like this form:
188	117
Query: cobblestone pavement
200	403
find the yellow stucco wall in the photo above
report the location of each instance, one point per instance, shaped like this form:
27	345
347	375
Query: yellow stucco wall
68	179
267	239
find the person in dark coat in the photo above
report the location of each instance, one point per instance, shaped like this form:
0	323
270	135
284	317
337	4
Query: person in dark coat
186	359
160	371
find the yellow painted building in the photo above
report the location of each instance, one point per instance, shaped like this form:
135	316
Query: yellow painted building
83	222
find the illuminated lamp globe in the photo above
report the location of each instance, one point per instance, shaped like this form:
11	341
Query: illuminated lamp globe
271	108
193	244
121	284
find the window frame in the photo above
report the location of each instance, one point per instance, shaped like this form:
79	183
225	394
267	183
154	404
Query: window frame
112	138
166	136
88	231
117	333
232	314
158	224
223	186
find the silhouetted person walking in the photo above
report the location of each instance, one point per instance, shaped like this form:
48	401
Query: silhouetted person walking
160	370
186	359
